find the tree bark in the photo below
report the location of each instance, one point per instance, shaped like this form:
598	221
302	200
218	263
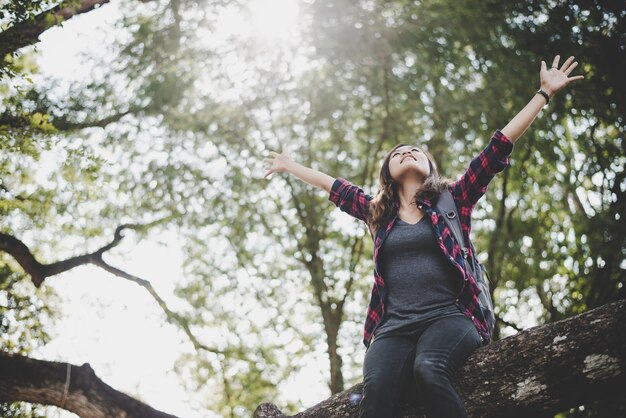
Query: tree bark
83	393
332	333
535	373
27	32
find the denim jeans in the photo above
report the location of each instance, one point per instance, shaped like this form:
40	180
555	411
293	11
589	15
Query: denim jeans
421	362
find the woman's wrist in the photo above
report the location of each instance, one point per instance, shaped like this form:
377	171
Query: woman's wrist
548	91
544	93
291	166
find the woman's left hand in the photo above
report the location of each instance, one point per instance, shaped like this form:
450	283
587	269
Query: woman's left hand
554	79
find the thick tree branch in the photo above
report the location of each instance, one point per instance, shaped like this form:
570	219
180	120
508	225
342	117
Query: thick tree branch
537	372
27	32
39	272
74	388
66	125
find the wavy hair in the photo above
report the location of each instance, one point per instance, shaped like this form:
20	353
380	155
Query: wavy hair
382	205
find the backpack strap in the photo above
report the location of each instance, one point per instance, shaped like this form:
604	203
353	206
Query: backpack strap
448	209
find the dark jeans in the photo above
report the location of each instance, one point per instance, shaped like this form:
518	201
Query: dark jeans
430	355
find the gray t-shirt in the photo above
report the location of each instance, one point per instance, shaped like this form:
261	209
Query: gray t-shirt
421	283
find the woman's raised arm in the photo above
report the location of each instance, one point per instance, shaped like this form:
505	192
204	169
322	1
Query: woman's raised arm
345	195
552	80
283	163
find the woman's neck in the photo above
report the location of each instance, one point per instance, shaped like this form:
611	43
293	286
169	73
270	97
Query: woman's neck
406	193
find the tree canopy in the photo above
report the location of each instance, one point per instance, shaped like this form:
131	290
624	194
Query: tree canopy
167	129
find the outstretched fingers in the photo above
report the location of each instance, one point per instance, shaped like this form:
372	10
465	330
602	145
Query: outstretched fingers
269	169
268	164
273	159
567	63
567	69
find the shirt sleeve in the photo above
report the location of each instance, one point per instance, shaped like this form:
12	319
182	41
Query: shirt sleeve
350	199
472	185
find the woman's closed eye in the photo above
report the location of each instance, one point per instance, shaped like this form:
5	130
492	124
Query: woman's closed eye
398	152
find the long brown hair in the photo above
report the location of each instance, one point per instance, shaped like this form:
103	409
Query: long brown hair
381	207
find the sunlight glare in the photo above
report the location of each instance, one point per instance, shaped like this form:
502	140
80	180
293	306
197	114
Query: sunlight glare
274	19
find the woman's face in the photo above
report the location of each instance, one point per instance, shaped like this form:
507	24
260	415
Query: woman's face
408	161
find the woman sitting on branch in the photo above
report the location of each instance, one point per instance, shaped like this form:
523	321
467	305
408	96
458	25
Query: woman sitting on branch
424	318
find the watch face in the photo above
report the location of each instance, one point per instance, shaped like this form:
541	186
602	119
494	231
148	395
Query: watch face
545	95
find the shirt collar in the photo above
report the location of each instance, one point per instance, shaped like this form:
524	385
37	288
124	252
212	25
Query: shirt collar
423	201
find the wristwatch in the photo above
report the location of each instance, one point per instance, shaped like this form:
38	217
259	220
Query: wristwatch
545	95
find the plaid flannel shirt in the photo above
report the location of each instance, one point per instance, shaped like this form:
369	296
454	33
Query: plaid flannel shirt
466	191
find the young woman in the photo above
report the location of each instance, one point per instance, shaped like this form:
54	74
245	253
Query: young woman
423	319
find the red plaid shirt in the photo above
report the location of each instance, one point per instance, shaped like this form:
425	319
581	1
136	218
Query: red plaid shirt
467	190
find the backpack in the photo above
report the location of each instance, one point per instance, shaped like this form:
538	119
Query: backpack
447	207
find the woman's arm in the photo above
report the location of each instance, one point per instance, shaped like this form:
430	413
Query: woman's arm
283	163
552	81
345	195
472	185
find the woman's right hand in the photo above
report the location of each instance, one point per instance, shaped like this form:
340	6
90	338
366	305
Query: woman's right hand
277	162
283	163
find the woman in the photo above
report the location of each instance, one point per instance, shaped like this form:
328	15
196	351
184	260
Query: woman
423	319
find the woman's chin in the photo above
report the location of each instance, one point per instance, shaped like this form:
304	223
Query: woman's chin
414	174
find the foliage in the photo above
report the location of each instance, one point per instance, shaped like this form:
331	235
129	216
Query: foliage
274	278
24	319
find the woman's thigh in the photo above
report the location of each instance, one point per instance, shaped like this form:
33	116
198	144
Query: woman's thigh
387	369
446	344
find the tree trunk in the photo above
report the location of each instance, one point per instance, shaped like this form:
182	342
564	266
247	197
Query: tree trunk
76	389
336	376
537	372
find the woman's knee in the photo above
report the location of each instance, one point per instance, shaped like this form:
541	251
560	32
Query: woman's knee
378	396
428	371
375	385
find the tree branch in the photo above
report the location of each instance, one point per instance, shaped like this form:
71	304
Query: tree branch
355	254
508	324
8	192
39	272
537	372
172	317
27	32
66	125
74	388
